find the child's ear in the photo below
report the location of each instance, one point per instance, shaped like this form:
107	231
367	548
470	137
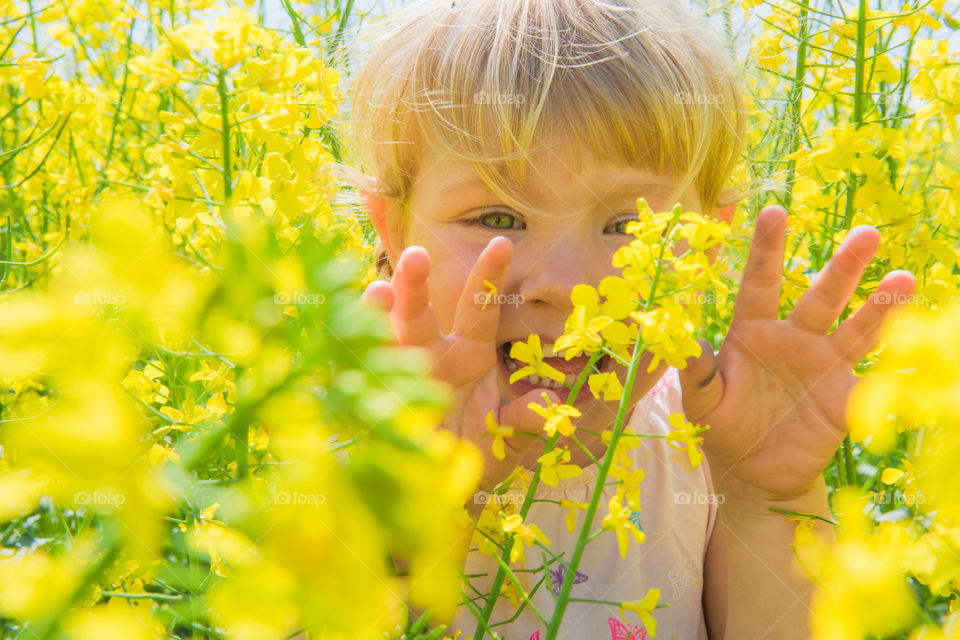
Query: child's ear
385	220
726	213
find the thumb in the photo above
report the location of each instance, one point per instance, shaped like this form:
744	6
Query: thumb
702	383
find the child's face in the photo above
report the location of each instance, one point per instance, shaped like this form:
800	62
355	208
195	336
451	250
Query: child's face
570	239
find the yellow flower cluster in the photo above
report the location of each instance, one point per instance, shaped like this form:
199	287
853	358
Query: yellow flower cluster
206	430
201	420
657	292
652	306
870	100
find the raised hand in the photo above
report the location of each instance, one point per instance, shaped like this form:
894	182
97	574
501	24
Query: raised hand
466	357
775	395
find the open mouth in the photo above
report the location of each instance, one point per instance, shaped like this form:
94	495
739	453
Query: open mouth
570	369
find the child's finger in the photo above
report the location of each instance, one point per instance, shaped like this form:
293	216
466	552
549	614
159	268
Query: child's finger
478	310
822	303
702	383
413	319
860	333
759	295
379	293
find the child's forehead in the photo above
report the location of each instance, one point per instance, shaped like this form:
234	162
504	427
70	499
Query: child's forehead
549	176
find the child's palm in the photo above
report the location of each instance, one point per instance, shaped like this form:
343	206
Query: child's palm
466	357
776	403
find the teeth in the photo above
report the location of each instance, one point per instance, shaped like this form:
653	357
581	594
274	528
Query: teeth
537	380
544	382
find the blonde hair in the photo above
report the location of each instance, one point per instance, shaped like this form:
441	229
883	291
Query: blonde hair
642	82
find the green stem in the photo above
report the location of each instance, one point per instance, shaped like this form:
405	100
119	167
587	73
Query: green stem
338	42
857	104
850	461
584	532
795	99
809	516
225	120
137	596
494	594
564	598
119	105
295	22
845	456
516	582
841	469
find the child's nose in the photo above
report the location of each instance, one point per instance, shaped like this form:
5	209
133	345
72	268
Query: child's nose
548	276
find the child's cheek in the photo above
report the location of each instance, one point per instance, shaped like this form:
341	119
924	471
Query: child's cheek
449	275
451	259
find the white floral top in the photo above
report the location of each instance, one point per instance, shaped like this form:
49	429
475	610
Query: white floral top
678	513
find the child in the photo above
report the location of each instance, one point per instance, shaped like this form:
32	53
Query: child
509	141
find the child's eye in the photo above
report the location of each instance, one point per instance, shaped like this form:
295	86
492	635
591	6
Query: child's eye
620	226
496	220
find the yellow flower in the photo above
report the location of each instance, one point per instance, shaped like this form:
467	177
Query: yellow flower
531	353
746	5
803	534
489	295
644	608
863	592
524	534
619	520
581	333
650	226
629	484
583	326
606	384
702	233
32	72
557	416
669	335
891	475
499	432
684	436
620	297
628	440
552	469
571	517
